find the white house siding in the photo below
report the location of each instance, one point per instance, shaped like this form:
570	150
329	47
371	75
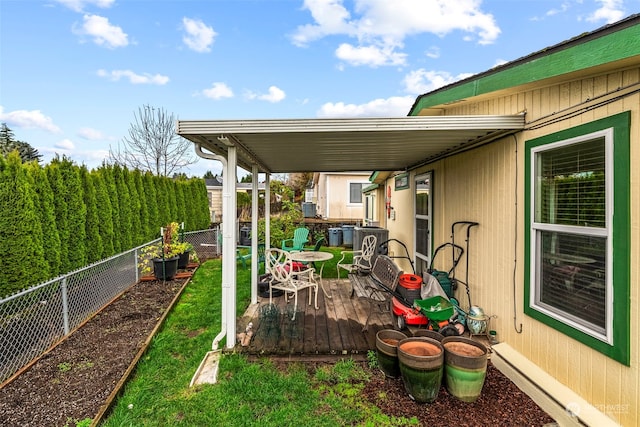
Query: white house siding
481	185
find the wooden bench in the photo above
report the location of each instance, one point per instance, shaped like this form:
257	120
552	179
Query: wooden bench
377	286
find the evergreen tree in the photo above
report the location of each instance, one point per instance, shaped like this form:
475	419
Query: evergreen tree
105	212
164	213
151	197
181	215
144	208
72	222
173	204
92	229
8	144
20	230
46	210
60	206
107	173
125	227
135	206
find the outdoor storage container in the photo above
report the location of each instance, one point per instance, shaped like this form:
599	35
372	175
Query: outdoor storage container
347	235
335	236
410	285
309	210
245	236
382	235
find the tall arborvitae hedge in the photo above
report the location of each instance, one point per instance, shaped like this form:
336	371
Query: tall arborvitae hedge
105	214
92	227
22	248
46	211
60	217
151	199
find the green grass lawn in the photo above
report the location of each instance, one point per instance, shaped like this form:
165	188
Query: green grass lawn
247	393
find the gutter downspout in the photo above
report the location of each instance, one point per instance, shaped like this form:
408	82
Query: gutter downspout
225	208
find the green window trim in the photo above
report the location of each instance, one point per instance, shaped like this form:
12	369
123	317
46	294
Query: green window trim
619	349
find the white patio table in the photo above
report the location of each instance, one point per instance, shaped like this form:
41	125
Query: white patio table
313	256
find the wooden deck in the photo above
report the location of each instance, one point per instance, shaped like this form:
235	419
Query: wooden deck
334	329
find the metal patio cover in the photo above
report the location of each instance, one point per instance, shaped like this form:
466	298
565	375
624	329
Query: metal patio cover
348	144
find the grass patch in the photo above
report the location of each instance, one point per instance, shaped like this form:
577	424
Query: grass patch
247	393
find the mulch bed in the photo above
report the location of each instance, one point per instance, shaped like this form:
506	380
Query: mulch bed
75	379
501	403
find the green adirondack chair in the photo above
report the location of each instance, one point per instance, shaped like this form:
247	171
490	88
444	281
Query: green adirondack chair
300	238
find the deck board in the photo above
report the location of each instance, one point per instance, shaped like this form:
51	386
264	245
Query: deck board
335	328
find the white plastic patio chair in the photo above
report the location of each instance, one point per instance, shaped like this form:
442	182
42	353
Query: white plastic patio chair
361	259
284	277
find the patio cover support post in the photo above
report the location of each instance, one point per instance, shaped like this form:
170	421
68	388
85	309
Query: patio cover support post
229	209
267	211
255	265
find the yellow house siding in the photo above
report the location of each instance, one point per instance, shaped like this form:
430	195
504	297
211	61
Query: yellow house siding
480	185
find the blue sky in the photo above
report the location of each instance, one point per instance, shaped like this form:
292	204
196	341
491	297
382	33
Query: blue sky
73	72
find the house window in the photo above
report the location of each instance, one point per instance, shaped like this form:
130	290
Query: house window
355	192
578	180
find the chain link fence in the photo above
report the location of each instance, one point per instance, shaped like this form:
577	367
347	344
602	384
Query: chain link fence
31	321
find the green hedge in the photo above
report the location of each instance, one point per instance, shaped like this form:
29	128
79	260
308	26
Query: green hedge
60	217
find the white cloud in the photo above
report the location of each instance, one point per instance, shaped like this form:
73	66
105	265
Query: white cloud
102	32
78	5
373	56
423	81
274	95
29	120
386	24
91	134
433	52
218	90
610	11
65	144
134	78
198	37
389	107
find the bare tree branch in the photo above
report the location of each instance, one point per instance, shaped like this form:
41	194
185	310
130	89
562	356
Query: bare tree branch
153	145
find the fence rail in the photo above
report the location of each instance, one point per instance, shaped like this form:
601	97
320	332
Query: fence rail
31	321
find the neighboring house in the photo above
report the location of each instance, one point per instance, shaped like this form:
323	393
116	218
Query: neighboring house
214	193
556	255
338	195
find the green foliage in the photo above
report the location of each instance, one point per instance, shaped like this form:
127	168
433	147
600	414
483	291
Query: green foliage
92	229
105	214
137	237
151	202
107	174
46	211
20	229
372	359
9	144
125	226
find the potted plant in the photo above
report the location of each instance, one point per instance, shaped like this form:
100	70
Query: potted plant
162	257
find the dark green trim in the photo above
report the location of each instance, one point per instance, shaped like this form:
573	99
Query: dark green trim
369	188
545	64
401	182
620	350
